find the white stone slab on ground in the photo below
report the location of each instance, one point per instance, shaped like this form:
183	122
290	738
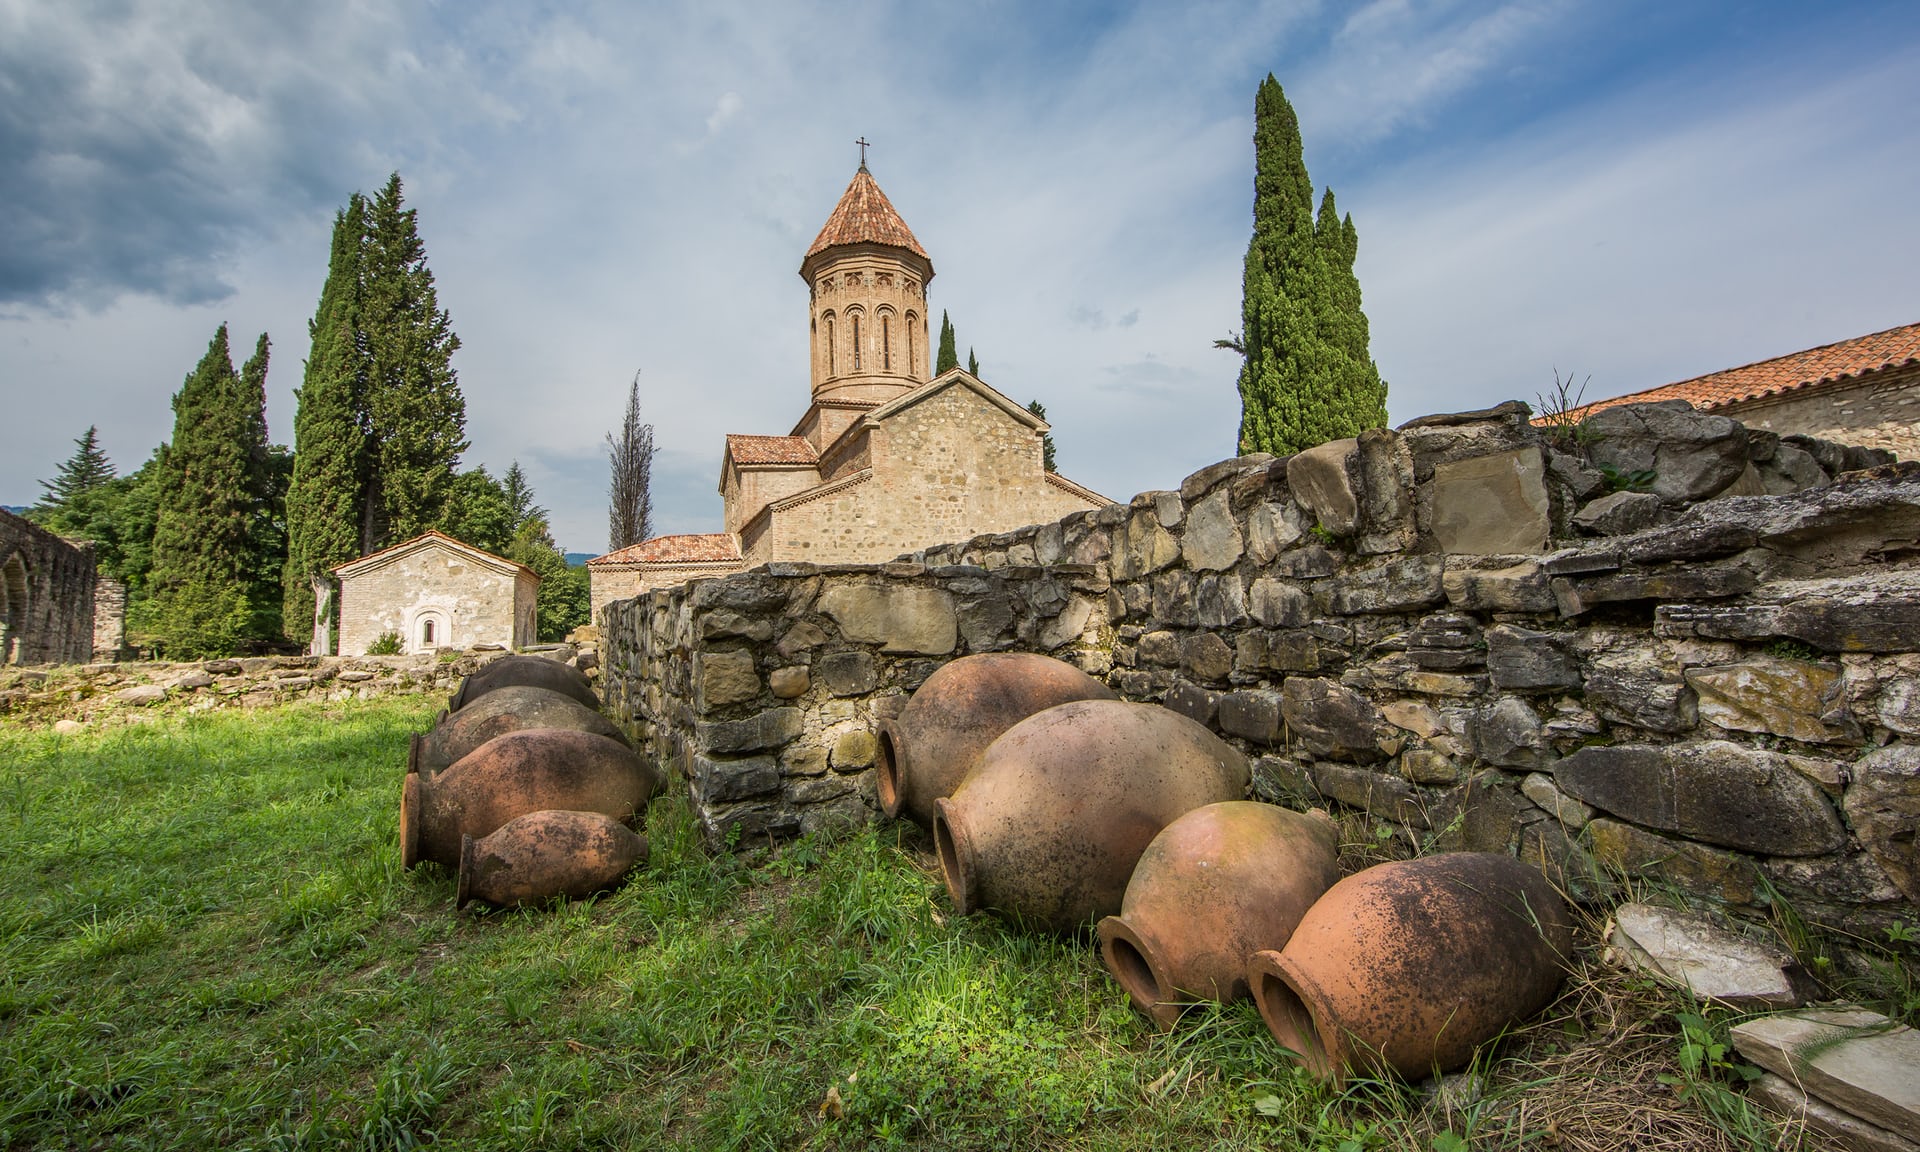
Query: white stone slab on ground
1856	1060
1700	955
1782	1098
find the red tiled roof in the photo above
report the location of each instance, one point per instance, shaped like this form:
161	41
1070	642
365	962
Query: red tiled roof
771	450
712	548
865	216
1893	348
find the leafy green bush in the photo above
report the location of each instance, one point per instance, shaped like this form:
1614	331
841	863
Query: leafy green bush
386	644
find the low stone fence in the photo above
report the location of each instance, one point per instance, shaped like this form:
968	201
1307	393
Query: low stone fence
85	692
1668	648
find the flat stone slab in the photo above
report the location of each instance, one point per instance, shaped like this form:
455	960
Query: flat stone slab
1782	1098
1696	953
1858	1061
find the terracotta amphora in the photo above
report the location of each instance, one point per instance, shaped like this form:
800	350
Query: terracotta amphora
496	713
1217	885
546	854
1412	965
1047	828
963	707
527	671
527	771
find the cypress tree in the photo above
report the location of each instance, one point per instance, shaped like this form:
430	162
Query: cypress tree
327	493
629	495
267	474
1307	376
949	350
416	413
1046	438
201	539
973	364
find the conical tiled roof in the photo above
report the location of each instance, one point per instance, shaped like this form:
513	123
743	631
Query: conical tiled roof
864	216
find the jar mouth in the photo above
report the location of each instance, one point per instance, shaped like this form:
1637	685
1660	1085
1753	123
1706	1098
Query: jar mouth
1287	1008
950	840
889	766
1135	964
410	821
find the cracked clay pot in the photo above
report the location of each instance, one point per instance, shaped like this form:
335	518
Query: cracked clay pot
546	854
1412	965
496	713
1046	830
509	776
964	706
527	671
1217	885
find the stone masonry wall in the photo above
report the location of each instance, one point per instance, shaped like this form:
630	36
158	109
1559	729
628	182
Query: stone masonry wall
46	596
1664	646
1879	410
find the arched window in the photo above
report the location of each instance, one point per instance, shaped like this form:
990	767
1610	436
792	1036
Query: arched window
13	608
426	633
912	364
832	366
856	341
886	343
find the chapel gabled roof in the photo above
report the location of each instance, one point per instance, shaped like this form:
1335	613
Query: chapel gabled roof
431	538
1829	363
702	548
865	216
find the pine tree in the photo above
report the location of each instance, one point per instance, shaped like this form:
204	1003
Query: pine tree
202	536
416	414
949	349
327	492
83	472
629	501
1046	438
1307	377
973	364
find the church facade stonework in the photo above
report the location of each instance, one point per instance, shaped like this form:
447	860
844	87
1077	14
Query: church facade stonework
887	458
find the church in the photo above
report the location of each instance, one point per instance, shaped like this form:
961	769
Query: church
887	458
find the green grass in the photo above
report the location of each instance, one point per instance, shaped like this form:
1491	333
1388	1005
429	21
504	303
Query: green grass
206	941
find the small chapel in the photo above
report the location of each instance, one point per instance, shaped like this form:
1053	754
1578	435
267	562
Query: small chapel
887	458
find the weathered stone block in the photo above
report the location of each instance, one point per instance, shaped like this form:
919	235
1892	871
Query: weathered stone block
1899	707
1160	648
1143	547
1428	766
1784	697
1221	601
1491	505
1173	600
1212	540
903	619
1403	585
790	682
1575	596
1859	1060
1693	868
1568	812
1692	455
1283	604
1331	719
1713	791
1251	715
1272	528
1376	793
1304	563
1634	687
851	673
985	620
1324	480
769	729
853	751
1706	959
1883	805
1386	494
724	678
1522	660
1205	656
1508	733
724	781
1620	514
725	622
1193	702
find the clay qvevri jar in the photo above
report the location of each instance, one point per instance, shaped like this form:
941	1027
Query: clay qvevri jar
963	707
1414	964
495	714
546	854
524	671
509	776
1047	828
1217	885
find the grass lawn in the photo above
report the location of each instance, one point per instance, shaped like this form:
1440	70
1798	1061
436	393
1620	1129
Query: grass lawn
206	940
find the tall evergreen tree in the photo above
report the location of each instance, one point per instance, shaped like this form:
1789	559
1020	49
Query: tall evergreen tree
949	350
629	500
416	414
83	472
327	492
206	516
973	364
1046	438
1307	376
267	474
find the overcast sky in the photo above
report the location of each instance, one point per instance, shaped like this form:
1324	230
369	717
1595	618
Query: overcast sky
1635	192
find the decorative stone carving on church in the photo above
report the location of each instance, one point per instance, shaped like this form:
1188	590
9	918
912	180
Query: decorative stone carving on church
886	459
